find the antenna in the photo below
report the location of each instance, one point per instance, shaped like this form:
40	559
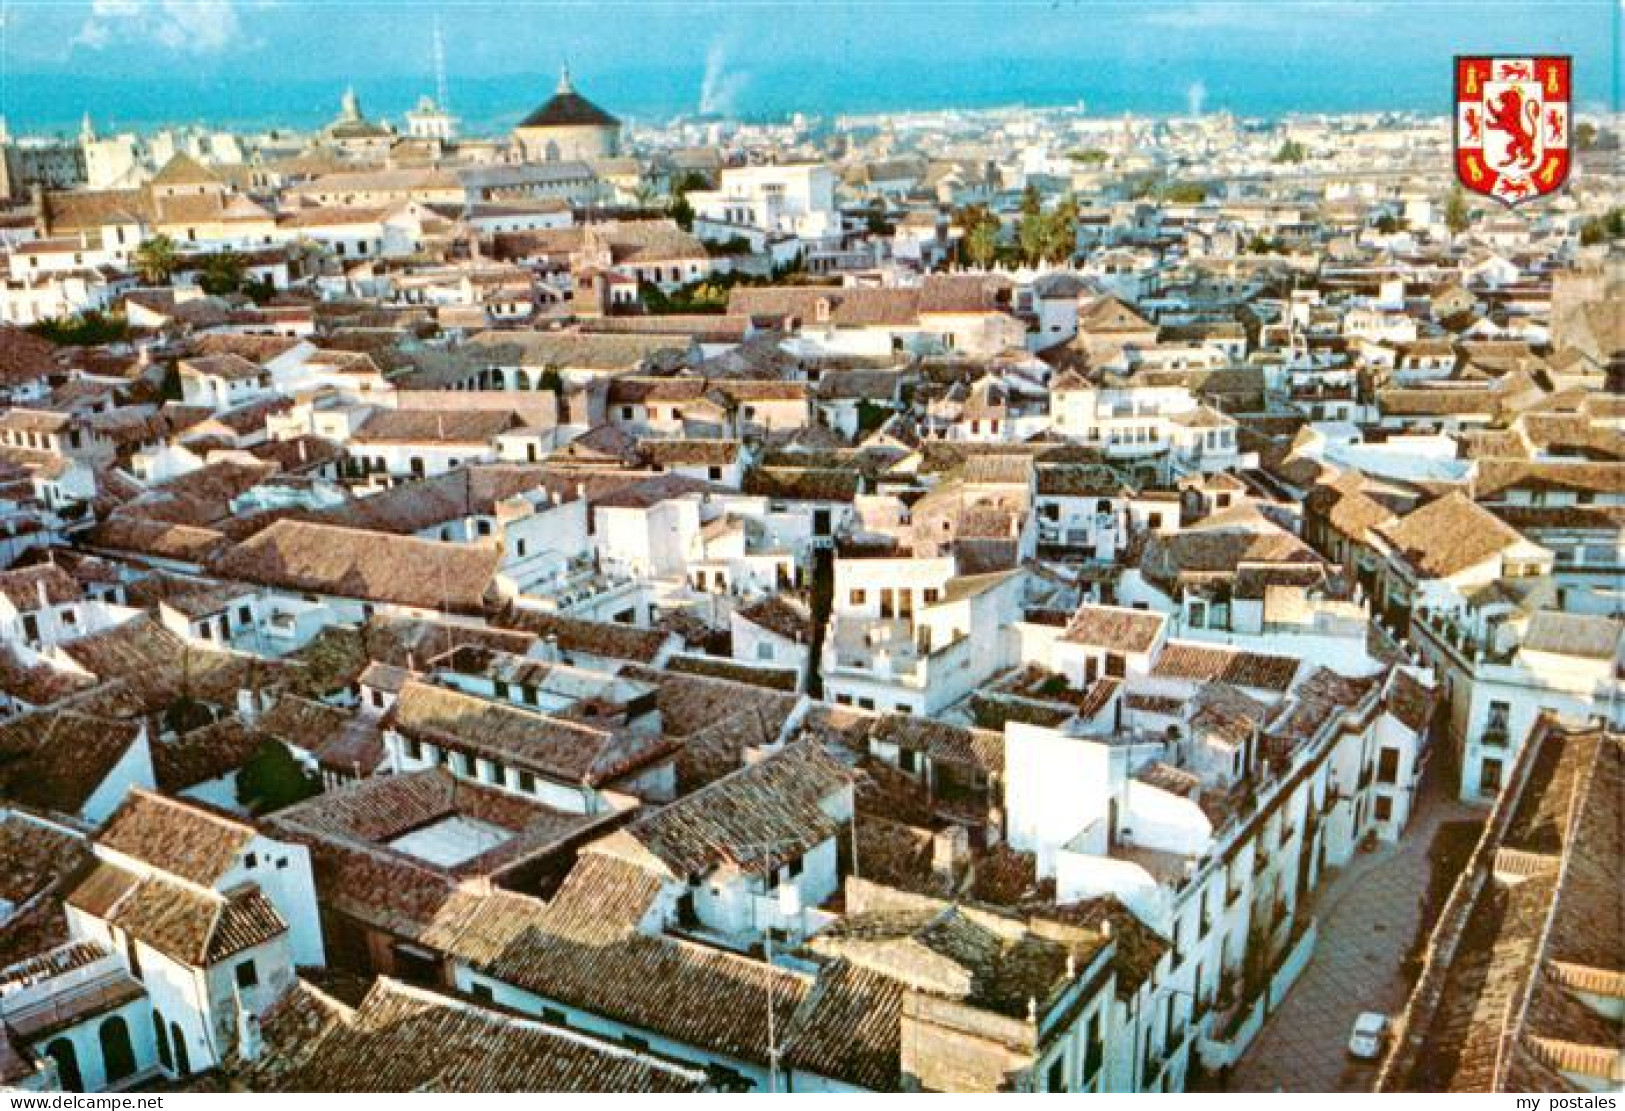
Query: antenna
440	66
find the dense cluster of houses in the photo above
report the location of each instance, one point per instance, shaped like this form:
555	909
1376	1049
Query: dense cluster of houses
462	657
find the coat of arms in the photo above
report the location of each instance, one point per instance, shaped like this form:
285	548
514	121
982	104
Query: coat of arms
1512	126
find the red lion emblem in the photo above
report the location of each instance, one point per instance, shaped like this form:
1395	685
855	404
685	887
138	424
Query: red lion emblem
1516	120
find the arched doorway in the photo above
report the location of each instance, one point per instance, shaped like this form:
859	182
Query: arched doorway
183	1062
118	1056
161	1035
67	1065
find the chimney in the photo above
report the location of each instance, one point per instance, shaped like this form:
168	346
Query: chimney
1106	929
248	707
304	452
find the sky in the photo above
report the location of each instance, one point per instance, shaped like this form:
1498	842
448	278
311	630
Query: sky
141	63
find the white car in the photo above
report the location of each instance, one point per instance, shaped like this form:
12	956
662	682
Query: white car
1370	1032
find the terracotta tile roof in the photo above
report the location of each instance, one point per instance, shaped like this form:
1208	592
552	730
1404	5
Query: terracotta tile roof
1317	699
787	616
803	483
25	586
678	453
128	533
1114	627
340	739
56	760
988	960
197	845
153	666
203	754
362	875
1498	476
767	811
575	635
1448	536
34	857
850	1029
1586	636
982	749
566	751
417	426
1410	702
1138	947
576	351
25	357
1214	664
1496	1007
196	928
585	952
378	567
407	1039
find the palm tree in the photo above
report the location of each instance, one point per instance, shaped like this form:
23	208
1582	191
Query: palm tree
156	259
982	242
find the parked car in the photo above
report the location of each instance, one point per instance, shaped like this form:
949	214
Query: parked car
1370	1033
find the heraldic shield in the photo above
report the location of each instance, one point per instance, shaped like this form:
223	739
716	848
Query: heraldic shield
1512	126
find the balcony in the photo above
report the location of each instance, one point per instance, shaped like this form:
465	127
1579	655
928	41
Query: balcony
1495	735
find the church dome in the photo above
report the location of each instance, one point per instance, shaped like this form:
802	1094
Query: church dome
568	108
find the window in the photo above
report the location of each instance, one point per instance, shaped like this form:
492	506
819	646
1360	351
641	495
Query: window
502	690
482	992
932	594
764	650
1489	779
414	749
1384	809
858	597
249	860
1057	1075
1388	766
245	615
527	782
247	975
554	1016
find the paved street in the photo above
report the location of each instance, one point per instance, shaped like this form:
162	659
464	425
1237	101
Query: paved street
1367	915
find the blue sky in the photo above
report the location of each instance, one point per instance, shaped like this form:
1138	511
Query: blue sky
141	61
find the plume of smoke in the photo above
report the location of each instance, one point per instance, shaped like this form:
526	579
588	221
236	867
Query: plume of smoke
719	89
1195	97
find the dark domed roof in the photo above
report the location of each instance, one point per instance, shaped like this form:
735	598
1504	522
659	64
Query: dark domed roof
569	108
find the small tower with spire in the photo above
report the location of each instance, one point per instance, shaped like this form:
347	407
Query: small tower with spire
565	88
87	130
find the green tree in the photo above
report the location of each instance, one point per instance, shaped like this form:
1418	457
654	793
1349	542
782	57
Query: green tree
1032	233
875	219
1603	229
1061	231
222	273
1585	135
1291	151
156	259
1185	192
683	213
272	779
1456	215
88	329
982	242
1388	223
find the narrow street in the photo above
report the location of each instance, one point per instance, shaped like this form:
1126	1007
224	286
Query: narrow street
1367	916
